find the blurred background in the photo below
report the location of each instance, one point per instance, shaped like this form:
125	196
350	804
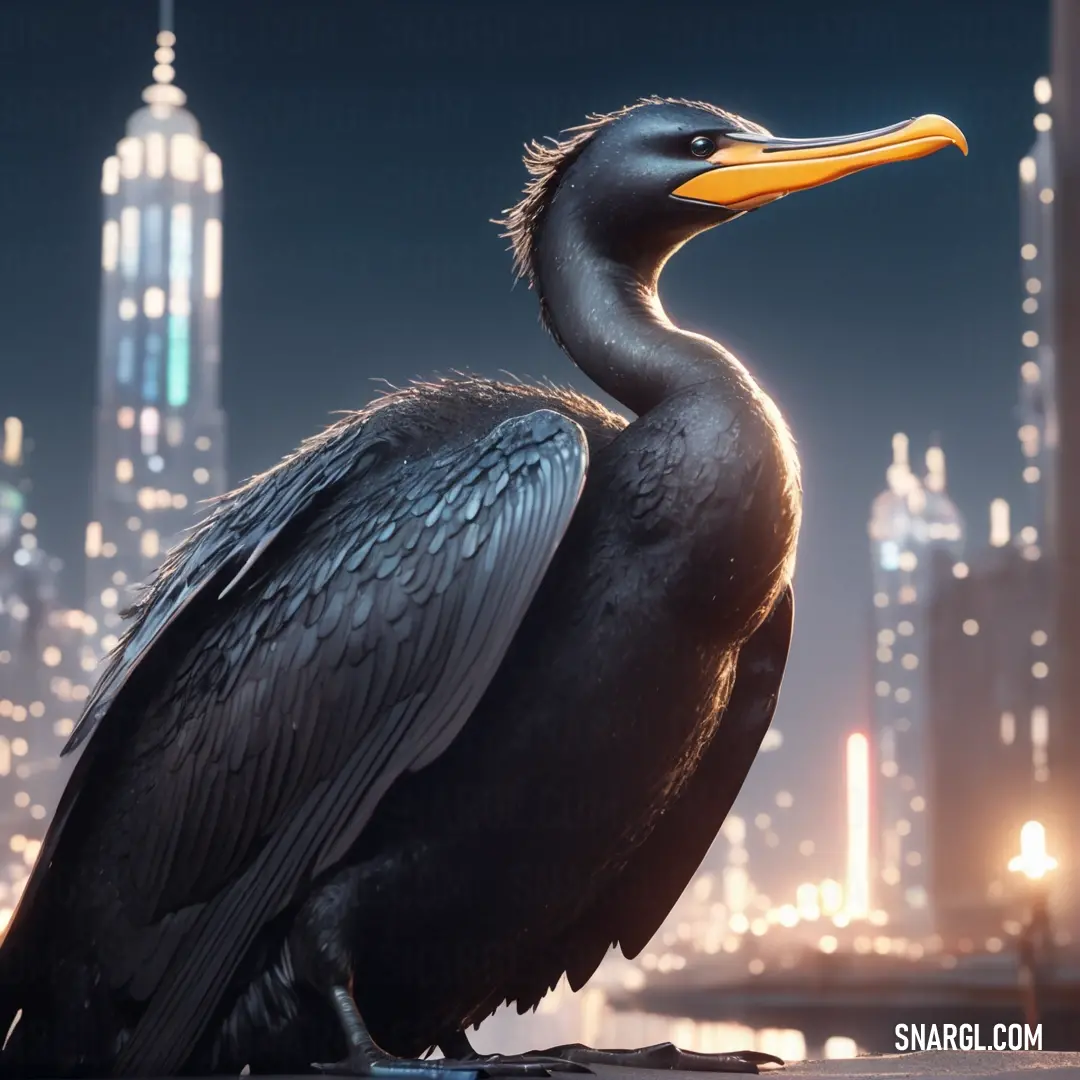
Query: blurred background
194	280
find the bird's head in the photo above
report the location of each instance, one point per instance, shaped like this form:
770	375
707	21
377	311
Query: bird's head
637	183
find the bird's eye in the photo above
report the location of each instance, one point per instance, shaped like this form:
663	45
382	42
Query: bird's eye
702	147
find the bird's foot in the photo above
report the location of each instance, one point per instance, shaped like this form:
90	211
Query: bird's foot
472	1068
664	1056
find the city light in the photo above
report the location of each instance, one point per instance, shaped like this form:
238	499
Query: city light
1033	861
858	826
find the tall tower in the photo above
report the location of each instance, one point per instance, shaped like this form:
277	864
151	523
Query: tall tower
910	522
160	431
1038	403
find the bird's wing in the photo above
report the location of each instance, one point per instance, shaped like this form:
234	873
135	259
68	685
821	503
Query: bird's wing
635	904
355	656
216	556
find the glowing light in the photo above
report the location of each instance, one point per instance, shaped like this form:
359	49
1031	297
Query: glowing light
1043	90
1028	169
1033	861
149	427
212	178
1033	285
960	570
1040	670
970	627
1046	196
840	1047
154	302
125	417
201	475
1029	371
1000	528
110	245
831	894
1029	339
125	470
784	799
1028	252
130	153
127	309
13	441
212	259
129	241
184	154
1039	638
110	176
858	826
149	543
828	944
1043	121
93	539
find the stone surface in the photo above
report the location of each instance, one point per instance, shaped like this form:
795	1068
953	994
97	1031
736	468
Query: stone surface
932	1064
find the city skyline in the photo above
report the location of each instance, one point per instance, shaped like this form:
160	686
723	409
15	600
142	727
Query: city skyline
333	263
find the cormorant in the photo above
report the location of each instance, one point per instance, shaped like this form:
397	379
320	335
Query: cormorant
456	696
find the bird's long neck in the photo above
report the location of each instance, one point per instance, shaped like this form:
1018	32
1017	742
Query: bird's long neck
605	312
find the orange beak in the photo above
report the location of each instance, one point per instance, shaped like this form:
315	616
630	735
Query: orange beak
754	169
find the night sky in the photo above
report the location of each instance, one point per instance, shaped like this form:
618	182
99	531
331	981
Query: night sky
367	144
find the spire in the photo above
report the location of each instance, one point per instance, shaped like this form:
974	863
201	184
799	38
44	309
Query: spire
163	92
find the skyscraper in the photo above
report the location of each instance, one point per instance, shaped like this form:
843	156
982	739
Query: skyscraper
1038	430
910	521
160	431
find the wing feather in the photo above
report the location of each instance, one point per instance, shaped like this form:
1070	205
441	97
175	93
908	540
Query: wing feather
370	670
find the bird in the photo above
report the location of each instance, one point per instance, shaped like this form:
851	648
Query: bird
456	697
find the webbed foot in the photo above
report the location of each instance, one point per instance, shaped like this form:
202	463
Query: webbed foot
664	1056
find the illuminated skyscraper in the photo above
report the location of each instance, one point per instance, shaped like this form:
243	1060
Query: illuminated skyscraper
910	521
160	431
1038	370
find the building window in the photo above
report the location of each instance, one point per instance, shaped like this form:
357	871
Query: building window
179	371
154	302
93	539
153	227
128	309
125	365
110	245
130	153
174	431
180	242
110	176
184	153
129	241
155	155
149	427
1008	728
212	178
125	417
212	259
125	471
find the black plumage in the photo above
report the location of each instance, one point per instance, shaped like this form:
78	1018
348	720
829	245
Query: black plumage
447	703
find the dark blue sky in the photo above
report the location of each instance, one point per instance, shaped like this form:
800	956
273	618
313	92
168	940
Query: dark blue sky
366	143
